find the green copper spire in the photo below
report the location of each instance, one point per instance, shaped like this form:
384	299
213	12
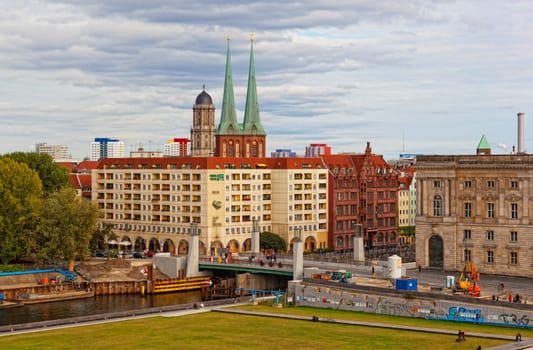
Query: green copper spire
252	121
483	143
228	120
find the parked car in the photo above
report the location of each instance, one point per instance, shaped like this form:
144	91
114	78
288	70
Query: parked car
149	254
138	255
99	253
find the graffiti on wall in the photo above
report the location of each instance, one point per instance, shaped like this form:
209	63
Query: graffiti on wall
421	308
461	313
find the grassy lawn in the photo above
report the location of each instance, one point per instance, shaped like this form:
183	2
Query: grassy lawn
212	330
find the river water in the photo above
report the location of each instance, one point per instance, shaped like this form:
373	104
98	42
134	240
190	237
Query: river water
92	306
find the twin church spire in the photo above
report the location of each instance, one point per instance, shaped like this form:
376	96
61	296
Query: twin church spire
233	138
228	119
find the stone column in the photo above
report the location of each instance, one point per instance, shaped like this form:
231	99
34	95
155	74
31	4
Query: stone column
358	244
298	256
193	256
255	237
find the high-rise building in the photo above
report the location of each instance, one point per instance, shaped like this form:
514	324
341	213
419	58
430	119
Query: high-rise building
103	147
57	152
317	149
181	147
283	153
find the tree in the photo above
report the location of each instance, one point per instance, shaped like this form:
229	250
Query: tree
67	226
102	235
269	240
20	199
52	175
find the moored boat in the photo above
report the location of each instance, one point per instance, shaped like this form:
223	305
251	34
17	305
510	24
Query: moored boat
35	298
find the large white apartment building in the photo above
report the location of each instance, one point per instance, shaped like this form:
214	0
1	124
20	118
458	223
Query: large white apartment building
155	202
57	152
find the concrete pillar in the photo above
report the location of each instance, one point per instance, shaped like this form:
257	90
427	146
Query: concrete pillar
193	256
298	260
255	237
358	244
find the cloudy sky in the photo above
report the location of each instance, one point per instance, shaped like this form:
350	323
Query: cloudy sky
415	76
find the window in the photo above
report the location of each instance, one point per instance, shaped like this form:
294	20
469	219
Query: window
490	235
490	183
514	210
437	205
468	183
490	210
467	254
490	257
467	234
468	209
514	184
514	236
436	184
339	242
514	258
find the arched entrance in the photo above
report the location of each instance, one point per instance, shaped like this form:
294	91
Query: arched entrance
153	245
436	252
140	244
233	246
310	244
217	248
247	245
183	247
169	247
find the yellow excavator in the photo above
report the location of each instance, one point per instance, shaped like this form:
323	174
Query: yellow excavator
467	282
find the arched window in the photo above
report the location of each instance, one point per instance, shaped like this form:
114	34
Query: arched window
339	241
437	205
230	149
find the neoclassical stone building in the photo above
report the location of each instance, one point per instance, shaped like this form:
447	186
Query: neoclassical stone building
477	208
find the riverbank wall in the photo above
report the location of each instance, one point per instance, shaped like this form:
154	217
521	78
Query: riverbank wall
350	297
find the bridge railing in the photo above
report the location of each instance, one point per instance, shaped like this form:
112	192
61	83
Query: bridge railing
259	262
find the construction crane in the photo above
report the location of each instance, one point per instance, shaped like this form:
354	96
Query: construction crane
468	279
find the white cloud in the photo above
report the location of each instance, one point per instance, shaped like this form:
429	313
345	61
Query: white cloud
430	77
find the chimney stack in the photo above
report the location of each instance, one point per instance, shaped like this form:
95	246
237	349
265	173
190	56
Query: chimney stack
521	133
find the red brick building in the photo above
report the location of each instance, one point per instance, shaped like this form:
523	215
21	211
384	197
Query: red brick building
362	190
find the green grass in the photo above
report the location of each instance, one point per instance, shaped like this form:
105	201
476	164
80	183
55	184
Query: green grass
213	330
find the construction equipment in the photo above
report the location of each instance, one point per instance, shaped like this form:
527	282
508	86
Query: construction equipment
467	282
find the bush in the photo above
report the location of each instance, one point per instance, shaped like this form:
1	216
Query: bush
11	268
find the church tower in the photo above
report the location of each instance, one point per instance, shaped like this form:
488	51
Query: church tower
232	138
203	129
254	135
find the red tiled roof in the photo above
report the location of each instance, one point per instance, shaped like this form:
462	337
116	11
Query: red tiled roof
87	165
68	165
211	163
80	181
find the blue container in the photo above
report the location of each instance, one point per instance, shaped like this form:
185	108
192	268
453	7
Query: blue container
406	284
